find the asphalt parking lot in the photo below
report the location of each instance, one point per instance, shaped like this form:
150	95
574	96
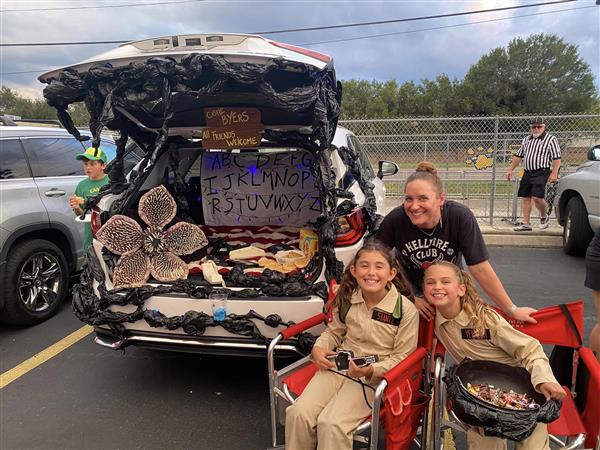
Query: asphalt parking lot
87	397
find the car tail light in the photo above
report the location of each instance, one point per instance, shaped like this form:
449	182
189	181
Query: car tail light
302	51
352	228
96	221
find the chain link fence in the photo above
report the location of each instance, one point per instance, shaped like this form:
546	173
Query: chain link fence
472	154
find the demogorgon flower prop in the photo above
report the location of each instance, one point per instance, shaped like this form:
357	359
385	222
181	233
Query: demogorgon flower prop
153	250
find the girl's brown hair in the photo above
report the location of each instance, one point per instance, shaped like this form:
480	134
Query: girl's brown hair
349	284
481	313
427	171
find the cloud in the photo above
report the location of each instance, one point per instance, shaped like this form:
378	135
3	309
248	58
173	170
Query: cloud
403	57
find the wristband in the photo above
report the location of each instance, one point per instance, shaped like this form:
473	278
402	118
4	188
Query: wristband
512	309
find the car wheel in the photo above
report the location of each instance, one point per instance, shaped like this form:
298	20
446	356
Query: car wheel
577	232
35	282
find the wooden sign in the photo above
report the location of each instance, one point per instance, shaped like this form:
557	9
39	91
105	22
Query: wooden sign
244	136
231	117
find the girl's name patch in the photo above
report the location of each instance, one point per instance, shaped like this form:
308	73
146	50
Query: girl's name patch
385	317
470	333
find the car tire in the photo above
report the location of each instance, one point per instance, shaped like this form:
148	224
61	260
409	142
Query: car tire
36	281
577	232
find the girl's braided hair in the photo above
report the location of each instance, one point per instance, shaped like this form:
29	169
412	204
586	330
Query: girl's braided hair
349	285
481	313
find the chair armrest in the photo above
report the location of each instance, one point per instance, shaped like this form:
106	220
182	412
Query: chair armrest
303	326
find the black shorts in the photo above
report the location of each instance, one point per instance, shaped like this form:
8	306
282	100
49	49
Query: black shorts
592	264
533	183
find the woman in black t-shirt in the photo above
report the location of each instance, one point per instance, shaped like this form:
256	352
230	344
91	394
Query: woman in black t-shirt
428	228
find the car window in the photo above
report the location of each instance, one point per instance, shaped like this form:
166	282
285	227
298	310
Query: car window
133	154
109	148
54	157
12	160
355	144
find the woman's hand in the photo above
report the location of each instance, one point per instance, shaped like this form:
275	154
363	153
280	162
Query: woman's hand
523	313
425	309
319	357
358	372
552	390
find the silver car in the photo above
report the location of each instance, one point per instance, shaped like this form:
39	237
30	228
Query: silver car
577	204
40	241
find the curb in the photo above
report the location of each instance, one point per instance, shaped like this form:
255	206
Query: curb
506	237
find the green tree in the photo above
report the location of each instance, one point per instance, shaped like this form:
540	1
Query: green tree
541	73
11	102
8	100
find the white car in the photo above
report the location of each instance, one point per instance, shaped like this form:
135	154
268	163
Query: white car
578	204
283	199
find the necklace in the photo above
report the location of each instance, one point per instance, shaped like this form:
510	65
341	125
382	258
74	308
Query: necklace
440	224
430	234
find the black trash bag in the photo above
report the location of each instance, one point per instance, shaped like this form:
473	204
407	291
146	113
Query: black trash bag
305	342
500	422
346	207
237	277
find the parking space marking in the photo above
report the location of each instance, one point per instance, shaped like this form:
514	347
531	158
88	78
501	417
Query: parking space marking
18	371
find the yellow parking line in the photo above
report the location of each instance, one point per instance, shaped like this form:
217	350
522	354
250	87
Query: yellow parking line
18	371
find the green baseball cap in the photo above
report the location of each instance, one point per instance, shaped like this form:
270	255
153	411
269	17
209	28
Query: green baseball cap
93	154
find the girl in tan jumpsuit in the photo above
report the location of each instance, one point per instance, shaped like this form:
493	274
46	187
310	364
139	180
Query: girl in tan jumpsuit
372	315
469	328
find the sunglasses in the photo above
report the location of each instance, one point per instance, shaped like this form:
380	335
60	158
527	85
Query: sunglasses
537	126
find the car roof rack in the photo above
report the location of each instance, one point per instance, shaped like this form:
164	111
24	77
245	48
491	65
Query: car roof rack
11	121
7	121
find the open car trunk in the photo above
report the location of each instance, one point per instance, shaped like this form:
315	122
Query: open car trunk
257	220
256	208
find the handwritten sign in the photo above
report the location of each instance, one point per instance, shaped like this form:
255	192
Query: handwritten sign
231	137
228	117
259	188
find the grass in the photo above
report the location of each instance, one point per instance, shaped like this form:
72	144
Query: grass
459	188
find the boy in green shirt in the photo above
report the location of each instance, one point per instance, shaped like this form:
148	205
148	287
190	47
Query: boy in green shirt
94	163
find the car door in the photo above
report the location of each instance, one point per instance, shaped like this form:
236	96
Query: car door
56	173
21	204
592	185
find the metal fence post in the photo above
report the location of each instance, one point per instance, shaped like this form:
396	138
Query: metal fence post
447	152
494	155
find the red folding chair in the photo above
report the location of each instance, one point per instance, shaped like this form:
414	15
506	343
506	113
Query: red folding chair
401	397
579	420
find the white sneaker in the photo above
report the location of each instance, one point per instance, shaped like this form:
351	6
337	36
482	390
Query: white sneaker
523	227
544	222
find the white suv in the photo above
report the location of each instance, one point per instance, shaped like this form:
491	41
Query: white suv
283	201
578	204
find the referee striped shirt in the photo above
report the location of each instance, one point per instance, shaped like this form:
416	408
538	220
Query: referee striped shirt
538	153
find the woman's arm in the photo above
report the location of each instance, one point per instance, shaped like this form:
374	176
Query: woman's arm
490	283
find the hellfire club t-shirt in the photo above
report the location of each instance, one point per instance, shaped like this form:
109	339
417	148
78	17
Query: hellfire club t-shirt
457	234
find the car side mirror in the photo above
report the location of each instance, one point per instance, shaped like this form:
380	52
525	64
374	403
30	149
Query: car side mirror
594	153
387	168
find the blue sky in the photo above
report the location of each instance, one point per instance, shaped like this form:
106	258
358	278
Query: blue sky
455	45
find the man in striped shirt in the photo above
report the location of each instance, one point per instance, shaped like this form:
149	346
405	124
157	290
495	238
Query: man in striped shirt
540	153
